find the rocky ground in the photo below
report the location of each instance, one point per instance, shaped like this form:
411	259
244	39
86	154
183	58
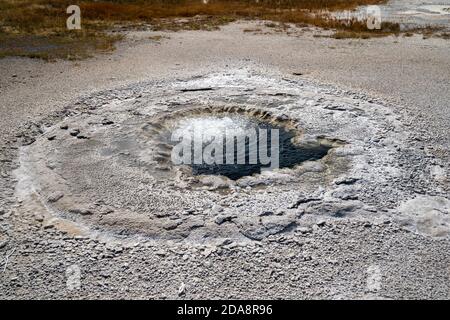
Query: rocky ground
371	220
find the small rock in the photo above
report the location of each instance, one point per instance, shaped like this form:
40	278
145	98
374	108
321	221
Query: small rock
277	224
161	253
321	223
232	245
216	208
336	107
189	211
104	210
346	180
346	194
194	222
3	243
107	122
304	230
304	199
266	213
105	274
283	117
208	250
118	249
64	127
334	209
172	224
162	214
333	261
55	196
222	218
49	225
225	242
82	211
74	132
182	289
51	137
207	264
252	229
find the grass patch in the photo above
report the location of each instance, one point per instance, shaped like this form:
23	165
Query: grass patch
358	31
393	29
199	22
252	30
443	35
158	38
433	32
52	47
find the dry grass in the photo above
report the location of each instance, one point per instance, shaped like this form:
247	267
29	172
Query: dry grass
359	32
158	38
37	28
252	30
70	47
444	35
433	32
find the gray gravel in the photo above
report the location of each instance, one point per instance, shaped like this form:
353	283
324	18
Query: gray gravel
375	228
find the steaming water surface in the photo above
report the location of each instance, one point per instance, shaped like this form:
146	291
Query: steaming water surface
263	142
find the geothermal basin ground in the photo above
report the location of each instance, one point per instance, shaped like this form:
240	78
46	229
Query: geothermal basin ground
88	191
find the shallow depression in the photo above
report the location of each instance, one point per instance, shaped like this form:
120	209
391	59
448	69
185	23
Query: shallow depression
110	168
